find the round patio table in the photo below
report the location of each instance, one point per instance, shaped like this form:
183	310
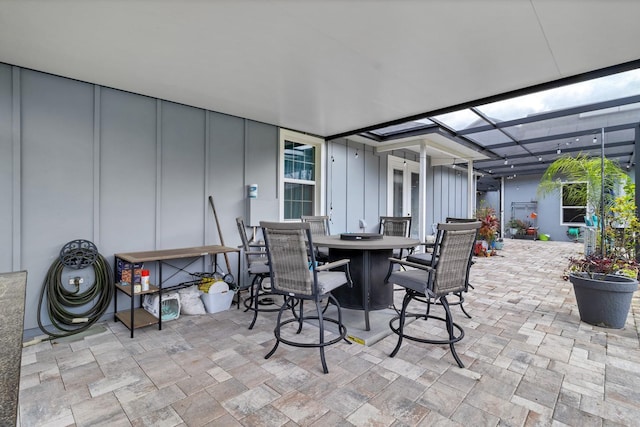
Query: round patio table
369	266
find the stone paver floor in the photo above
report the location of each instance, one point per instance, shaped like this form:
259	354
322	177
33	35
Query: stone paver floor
529	361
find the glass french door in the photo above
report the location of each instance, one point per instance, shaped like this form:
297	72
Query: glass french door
402	190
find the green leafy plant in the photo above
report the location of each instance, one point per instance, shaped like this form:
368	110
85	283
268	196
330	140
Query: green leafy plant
597	264
622	229
582	168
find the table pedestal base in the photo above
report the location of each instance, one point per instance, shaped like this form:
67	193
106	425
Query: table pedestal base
368	270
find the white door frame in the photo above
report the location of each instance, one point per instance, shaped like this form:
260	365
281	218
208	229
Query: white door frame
408	167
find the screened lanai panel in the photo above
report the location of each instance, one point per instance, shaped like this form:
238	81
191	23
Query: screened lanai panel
625	136
597	90
403	127
461	119
489	138
511	151
567	128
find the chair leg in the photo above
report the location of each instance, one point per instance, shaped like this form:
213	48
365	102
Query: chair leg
321	338
276	330
300	317
403	315
462	306
254	296
452	337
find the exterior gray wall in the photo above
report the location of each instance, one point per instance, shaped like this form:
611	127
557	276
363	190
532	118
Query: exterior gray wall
128	172
446	194
357	188
133	173
523	189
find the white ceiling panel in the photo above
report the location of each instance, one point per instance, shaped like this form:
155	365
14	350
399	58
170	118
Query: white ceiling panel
323	67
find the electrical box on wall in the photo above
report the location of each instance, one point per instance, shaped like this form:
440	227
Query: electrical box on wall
261	210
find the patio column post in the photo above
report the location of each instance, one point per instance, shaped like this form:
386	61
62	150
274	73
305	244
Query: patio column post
637	174
471	190
422	197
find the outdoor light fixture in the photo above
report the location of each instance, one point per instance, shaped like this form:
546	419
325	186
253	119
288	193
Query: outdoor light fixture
490	171
558	151
540	159
595	139
356	155
506	161
511	166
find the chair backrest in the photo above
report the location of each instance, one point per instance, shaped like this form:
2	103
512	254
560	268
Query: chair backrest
457	220
288	257
461	220
453	251
242	231
395	226
319	224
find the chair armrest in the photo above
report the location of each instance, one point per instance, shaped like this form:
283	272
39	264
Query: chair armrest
333	264
256	253
411	264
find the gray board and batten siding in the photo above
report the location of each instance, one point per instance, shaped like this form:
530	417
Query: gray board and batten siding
131	173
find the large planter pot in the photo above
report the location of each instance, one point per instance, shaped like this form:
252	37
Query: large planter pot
603	300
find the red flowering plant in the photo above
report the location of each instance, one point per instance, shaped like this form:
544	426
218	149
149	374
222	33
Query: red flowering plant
490	224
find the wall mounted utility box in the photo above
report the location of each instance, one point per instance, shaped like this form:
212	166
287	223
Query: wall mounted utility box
261	210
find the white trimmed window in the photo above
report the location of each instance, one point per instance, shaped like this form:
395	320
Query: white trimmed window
301	183
573	200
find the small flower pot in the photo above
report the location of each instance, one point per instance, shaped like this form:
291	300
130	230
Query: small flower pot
603	300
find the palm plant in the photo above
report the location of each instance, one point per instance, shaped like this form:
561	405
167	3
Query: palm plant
587	169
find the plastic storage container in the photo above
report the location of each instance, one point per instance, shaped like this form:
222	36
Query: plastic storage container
218	298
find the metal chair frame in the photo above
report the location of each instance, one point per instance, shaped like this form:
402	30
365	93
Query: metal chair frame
259	300
446	275
319	226
426	258
298	280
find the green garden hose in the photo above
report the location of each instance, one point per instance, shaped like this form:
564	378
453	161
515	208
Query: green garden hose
59	299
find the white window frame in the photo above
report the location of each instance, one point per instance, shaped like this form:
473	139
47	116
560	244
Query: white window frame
562	206
319	182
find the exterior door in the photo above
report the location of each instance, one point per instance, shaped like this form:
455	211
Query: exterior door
402	190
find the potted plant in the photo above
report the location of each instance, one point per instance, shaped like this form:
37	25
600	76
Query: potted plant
514	226
488	231
604	288
603	282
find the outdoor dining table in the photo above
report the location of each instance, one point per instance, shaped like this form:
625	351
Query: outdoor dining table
369	266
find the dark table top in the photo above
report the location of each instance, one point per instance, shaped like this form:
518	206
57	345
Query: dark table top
387	242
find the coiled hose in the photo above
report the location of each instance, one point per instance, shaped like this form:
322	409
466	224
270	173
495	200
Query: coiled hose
59	299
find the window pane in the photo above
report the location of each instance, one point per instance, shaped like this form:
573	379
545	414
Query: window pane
574	194
299	161
574	202
573	215
397	192
298	200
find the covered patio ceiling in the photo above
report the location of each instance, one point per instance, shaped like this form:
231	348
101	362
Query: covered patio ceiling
523	132
319	67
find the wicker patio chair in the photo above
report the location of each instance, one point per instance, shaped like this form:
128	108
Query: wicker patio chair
433	283
298	280
319	225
